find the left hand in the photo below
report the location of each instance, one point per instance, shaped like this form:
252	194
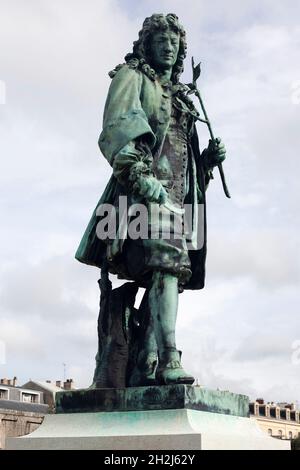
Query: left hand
215	153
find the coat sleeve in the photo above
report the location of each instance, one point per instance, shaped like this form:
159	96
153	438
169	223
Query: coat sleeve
124	118
133	160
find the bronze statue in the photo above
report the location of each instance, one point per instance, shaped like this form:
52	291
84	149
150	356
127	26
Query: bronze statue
149	138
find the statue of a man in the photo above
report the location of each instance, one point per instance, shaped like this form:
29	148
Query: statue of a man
149	138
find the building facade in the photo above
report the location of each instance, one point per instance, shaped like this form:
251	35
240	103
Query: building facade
22	410
279	420
49	390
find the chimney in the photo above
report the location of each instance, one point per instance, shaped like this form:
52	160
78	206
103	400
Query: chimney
58	383
290	406
4	381
15	381
261	401
69	384
9	382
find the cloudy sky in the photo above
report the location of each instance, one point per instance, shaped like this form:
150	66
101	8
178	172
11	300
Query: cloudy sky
242	333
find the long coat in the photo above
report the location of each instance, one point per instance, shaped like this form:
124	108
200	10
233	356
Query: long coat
138	105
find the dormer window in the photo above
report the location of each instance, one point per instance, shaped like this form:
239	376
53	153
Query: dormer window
30	397
3	394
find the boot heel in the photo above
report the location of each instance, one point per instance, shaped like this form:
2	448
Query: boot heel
170	371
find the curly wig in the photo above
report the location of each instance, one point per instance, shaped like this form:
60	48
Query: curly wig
142	47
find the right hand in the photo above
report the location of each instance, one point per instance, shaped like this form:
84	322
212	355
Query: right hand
151	189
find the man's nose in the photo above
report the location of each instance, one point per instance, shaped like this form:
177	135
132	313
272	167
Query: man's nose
168	46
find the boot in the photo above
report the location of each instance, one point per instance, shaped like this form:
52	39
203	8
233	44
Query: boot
143	373
170	371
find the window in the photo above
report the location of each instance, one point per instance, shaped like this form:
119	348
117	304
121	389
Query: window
290	435
283	414
30	397
3	394
280	434
262	410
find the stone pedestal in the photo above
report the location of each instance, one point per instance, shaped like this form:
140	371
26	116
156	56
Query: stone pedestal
177	417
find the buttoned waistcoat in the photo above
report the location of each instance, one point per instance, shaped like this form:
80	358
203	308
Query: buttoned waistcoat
140	106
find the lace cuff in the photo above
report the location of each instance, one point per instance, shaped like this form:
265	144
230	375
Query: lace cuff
133	161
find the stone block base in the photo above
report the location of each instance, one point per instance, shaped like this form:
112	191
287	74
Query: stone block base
174	429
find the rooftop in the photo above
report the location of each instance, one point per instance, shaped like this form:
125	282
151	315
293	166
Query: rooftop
51	387
23	406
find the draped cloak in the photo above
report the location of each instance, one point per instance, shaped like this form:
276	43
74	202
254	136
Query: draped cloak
138	106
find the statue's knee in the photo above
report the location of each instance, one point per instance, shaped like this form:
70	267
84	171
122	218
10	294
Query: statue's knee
163	279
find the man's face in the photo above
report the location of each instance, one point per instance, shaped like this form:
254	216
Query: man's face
164	49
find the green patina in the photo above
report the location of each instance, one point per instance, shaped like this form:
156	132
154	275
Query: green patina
149	138
153	398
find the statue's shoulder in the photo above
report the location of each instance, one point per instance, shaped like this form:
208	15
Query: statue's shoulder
133	67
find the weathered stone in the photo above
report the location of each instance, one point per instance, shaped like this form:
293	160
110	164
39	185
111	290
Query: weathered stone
147	430
15	422
152	398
